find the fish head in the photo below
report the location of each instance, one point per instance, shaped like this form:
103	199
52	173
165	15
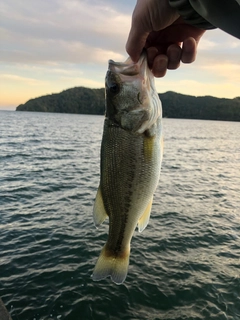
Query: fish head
132	101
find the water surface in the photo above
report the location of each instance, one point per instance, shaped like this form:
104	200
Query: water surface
185	265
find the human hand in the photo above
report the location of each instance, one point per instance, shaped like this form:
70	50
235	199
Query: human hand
157	27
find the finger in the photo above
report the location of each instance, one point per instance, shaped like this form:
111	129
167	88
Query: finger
151	54
174	55
160	64
138	33
174	34
189	50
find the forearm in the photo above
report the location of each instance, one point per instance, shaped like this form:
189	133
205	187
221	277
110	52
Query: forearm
210	14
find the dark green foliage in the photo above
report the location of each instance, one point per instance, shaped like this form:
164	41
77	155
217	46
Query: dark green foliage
75	100
175	105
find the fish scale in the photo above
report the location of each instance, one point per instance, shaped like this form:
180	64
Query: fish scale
131	153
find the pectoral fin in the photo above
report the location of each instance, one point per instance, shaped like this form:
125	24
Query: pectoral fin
143	221
99	212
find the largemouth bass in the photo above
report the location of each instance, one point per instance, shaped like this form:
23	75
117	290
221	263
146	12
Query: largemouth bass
131	155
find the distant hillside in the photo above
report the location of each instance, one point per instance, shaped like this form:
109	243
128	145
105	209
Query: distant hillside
177	105
91	101
75	100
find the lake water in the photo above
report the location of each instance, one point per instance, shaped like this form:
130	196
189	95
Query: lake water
186	263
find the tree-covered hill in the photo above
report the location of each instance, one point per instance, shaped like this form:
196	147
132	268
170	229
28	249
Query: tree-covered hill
74	100
175	105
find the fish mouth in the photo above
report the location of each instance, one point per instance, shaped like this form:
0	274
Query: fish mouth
131	98
129	71
129	68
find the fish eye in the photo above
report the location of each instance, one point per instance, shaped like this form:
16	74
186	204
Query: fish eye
114	88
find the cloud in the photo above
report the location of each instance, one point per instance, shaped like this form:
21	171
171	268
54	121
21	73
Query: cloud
198	88
74	31
48	46
225	72
80	31
16	78
51	50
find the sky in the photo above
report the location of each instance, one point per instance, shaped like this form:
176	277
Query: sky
51	45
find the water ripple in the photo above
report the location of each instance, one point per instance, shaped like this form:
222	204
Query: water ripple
185	265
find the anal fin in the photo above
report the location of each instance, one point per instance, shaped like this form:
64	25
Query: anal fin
143	221
99	212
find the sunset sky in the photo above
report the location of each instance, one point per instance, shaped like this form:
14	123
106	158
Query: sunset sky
51	45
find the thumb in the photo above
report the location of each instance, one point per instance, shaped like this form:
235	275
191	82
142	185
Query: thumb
140	29
151	15
136	42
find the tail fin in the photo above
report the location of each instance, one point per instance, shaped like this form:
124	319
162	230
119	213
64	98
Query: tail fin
110	265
